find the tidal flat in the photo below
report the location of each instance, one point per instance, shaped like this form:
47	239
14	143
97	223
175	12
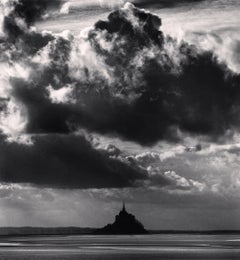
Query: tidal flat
136	247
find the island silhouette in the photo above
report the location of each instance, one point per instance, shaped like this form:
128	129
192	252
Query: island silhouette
125	223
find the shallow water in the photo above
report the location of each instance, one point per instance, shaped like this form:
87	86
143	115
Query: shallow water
121	247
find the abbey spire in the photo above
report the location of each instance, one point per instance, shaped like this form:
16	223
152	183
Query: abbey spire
123	208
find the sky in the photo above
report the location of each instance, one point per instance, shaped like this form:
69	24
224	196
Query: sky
109	101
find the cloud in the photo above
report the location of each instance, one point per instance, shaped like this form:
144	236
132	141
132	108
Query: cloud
62	95
162	3
181	183
65	162
18	20
65	8
139	3
125	78
79	161
13	119
32	10
172	84
224	45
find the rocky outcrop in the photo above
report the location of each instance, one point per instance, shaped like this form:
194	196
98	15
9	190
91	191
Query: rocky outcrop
125	223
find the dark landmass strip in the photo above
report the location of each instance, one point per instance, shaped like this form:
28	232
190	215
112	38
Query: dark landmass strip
33	231
27	231
196	232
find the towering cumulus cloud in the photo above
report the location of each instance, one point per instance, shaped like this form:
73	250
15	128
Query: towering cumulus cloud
123	78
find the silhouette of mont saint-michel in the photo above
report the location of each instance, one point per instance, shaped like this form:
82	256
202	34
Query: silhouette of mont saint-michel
125	223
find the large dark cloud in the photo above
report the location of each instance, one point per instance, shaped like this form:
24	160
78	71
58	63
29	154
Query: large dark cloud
65	162
157	85
166	99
